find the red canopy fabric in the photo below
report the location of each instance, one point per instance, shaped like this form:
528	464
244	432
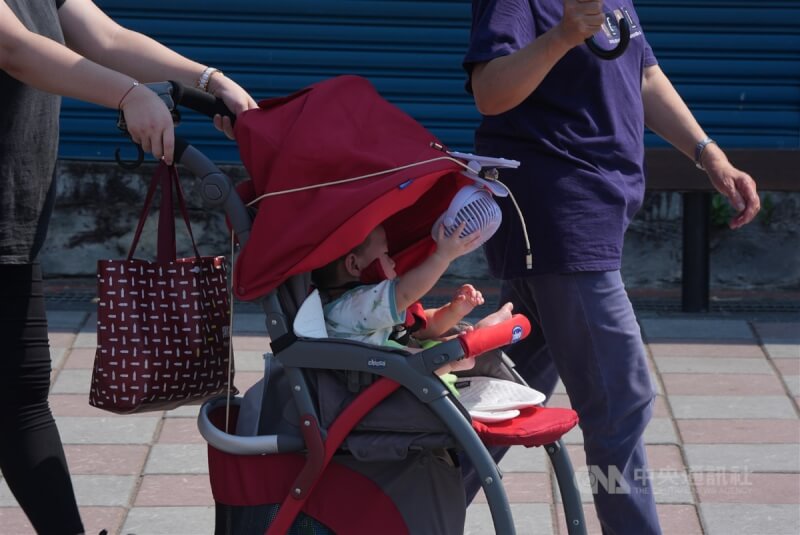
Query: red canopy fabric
336	129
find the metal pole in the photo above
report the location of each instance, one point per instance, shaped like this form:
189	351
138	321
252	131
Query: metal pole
694	286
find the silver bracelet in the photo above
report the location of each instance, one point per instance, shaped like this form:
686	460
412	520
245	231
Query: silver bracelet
698	151
202	82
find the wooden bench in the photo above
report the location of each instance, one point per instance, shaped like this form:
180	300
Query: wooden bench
669	170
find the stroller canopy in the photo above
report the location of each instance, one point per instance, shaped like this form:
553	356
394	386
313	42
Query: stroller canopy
294	147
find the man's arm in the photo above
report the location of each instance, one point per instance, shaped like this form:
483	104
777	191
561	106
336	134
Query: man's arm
503	83
667	115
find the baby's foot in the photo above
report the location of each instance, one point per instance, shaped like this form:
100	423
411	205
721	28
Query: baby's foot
502	314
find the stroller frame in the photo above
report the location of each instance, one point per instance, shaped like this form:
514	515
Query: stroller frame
413	372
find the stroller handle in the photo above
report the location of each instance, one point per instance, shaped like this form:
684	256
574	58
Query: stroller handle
199	101
485	339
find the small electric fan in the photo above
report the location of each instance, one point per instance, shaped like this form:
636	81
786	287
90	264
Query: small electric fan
474	206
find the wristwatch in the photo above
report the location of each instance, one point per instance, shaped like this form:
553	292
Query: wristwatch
698	151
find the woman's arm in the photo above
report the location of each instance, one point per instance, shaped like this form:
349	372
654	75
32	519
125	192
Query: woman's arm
49	66
503	83
93	34
667	115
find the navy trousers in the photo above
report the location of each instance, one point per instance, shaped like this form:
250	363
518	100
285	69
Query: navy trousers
590	338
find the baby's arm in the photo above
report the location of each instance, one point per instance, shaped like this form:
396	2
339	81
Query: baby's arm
442	319
415	283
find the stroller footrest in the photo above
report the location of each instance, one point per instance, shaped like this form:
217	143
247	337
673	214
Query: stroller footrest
535	426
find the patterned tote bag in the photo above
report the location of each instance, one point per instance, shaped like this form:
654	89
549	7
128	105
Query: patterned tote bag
163	326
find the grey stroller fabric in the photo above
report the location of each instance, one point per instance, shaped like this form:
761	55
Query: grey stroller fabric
415	470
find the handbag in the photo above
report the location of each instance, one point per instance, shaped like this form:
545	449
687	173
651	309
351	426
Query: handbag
163	327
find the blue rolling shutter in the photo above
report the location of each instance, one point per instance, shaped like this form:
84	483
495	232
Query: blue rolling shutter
736	63
411	52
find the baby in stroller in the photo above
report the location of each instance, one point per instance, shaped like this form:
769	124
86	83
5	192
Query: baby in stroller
365	300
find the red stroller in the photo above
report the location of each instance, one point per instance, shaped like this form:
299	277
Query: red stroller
348	437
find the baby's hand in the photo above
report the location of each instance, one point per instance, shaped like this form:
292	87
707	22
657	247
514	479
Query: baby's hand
453	246
466	299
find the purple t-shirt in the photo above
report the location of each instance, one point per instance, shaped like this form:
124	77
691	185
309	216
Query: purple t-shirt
579	137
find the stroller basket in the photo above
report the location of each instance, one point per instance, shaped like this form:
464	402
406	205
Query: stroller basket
301	462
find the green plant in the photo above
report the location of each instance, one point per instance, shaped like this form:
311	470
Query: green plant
767	212
721	211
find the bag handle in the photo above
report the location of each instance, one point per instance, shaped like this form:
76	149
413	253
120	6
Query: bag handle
166	175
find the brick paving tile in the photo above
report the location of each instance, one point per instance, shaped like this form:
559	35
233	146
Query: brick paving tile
664	457
244	380
660	409
736	407
98	518
750	519
80	358
14	521
788	366
747	487
524	488
75	405
250	343
739	431
776	458
721	365
679	519
737	350
709	384
174	490
61	339
169	521
118	459
782	351
659	457
528	518
180	431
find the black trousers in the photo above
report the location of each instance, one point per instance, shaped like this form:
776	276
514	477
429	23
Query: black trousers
31	455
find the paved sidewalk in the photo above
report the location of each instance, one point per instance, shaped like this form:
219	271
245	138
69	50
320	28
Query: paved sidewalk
724	445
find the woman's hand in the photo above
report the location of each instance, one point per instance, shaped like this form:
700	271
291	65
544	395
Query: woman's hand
149	122
232	94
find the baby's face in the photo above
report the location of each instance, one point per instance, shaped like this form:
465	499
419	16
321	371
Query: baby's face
378	248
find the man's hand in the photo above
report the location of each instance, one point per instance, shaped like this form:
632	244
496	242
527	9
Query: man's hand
736	185
581	20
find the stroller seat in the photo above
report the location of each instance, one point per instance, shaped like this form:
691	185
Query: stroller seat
534	426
